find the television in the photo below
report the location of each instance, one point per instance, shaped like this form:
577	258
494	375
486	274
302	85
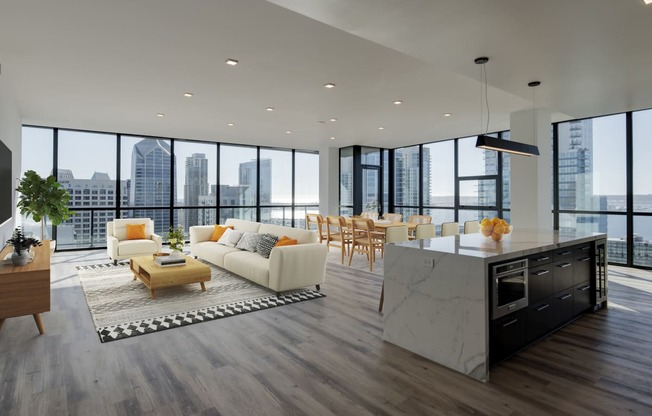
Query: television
6	184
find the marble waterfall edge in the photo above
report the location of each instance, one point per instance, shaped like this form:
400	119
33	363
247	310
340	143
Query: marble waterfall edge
447	294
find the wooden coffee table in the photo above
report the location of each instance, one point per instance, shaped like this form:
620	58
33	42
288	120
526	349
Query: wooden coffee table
156	277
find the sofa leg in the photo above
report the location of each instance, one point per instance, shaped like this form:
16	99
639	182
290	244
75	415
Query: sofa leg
318	288
278	294
115	262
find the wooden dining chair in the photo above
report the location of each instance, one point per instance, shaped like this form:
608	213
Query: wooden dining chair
393	217
393	234
419	219
365	239
450	228
318	220
471	227
338	234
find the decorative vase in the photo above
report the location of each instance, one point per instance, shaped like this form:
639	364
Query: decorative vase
20	259
176	254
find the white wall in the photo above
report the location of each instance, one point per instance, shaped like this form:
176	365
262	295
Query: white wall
329	165
10	134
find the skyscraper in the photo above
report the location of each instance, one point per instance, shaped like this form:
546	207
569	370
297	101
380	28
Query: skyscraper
151	165
247	177
196	186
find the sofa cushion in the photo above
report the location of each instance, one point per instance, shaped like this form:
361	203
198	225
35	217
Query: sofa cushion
230	238
213	252
137	247
243	225
266	244
218	232
285	241
302	236
249	241
248	265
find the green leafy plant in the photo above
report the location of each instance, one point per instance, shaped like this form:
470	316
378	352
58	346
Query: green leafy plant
20	242
175	238
43	198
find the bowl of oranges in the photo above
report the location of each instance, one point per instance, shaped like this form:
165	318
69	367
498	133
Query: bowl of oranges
495	228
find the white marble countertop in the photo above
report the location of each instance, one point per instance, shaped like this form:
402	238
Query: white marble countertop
517	243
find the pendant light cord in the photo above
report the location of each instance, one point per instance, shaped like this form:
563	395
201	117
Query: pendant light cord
486	97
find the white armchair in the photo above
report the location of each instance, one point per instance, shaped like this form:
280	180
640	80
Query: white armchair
119	247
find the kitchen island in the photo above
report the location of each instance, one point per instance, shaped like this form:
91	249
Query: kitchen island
441	294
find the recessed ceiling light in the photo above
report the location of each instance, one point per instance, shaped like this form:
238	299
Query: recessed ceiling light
398	102
188	94
232	62
332	138
333	119
450	114
329	85
288	132
160	115
270	109
231	124
381	128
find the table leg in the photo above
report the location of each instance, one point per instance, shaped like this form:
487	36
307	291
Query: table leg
135	277
203	287
2	321
39	324
151	294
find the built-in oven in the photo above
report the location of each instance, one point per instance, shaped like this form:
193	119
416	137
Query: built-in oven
509	287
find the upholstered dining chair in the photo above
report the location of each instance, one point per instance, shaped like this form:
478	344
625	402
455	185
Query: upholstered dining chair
338	234
450	228
393	217
318	220
393	234
364	239
471	227
419	219
425	231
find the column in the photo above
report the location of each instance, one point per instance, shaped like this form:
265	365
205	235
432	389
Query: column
329	172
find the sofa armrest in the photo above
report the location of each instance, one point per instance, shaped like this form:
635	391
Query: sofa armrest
292	267
112	247
199	233
158	240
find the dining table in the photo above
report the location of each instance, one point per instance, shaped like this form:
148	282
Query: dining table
381	225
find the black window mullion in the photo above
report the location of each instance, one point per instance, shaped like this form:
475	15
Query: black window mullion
629	166
555	176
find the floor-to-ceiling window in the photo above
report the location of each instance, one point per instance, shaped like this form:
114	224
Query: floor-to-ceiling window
173	181
642	188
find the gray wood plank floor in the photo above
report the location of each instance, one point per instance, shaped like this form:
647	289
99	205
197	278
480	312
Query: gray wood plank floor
323	357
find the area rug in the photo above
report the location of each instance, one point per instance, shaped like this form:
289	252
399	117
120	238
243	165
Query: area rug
121	307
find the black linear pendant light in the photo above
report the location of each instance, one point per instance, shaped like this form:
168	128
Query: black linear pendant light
492	143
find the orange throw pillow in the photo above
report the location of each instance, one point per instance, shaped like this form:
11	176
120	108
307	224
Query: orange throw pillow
286	241
219	231
136	232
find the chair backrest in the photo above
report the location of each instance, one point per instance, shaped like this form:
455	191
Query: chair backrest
319	221
118	227
450	228
471	227
393	217
362	224
396	233
335	225
369	214
425	231
420	219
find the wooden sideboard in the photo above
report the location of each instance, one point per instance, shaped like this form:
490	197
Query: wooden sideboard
25	290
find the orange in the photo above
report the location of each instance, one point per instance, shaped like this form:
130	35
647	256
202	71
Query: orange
499	229
495	220
496	237
486	231
486	222
508	229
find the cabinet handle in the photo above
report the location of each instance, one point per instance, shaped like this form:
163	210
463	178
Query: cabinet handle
564	297
513	321
585	259
541	272
564	253
584	288
544	258
586	248
564	265
542	307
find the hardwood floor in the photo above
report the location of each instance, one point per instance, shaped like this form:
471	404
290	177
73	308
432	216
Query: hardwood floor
323	357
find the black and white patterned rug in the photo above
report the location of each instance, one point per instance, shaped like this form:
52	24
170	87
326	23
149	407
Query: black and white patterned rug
122	308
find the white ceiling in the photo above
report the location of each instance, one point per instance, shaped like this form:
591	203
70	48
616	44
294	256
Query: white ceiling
112	65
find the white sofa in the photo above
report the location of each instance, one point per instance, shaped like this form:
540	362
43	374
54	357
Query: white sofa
287	268
117	245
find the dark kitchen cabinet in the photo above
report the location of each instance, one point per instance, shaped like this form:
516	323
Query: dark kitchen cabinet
540	282
582	298
563	271
540	319
507	335
563	305
582	264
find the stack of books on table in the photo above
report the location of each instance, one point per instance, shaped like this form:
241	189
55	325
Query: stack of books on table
169	261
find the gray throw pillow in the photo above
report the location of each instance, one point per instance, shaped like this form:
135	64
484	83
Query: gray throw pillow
266	244
249	241
230	238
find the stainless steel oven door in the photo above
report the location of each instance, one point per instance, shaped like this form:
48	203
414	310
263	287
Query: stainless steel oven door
509	288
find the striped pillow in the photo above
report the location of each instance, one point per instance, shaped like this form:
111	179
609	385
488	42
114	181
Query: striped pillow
266	244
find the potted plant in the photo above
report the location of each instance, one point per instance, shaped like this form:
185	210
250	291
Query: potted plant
43	197
176	239
21	244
